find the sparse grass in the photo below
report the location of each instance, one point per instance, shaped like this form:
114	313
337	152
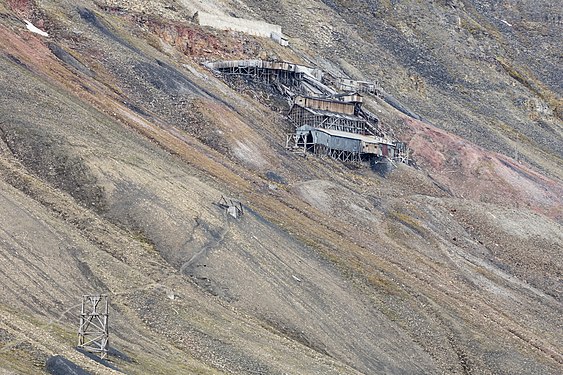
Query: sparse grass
407	221
143	239
163	367
527	79
514	134
385	285
68	336
513	72
521	139
154	41
473	27
480	26
21	362
333	246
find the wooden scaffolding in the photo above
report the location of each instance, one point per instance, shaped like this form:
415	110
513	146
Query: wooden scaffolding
93	333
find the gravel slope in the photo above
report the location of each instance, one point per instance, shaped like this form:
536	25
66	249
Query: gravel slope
115	146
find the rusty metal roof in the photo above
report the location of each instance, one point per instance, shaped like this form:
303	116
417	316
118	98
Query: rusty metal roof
321	112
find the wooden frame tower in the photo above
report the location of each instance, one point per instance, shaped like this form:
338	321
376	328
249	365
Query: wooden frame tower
93	333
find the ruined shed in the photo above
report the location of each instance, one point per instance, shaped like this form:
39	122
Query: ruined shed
341	145
345	141
330	105
359	86
280	39
326	122
336	140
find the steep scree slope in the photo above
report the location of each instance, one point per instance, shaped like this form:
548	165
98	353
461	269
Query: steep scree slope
115	144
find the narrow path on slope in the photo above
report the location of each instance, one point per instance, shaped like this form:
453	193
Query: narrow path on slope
23	337
210	245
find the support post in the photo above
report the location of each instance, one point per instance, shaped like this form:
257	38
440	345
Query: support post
93	333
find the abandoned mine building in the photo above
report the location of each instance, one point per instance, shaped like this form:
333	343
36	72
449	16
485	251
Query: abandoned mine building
358	86
290	79
339	128
326	122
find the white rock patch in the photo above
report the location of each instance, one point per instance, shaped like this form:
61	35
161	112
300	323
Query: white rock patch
34	29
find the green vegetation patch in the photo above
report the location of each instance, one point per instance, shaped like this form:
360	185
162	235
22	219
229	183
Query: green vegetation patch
408	222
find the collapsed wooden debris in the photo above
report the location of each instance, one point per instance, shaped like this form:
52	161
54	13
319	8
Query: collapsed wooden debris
231	206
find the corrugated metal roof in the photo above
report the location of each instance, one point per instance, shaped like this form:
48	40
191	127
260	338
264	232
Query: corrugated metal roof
336	143
360	137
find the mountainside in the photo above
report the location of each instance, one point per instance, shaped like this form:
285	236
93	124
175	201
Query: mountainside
117	144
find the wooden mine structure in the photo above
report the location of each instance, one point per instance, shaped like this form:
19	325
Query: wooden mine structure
340	145
359	86
326	122
291	79
340	129
93	332
300	116
342	112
